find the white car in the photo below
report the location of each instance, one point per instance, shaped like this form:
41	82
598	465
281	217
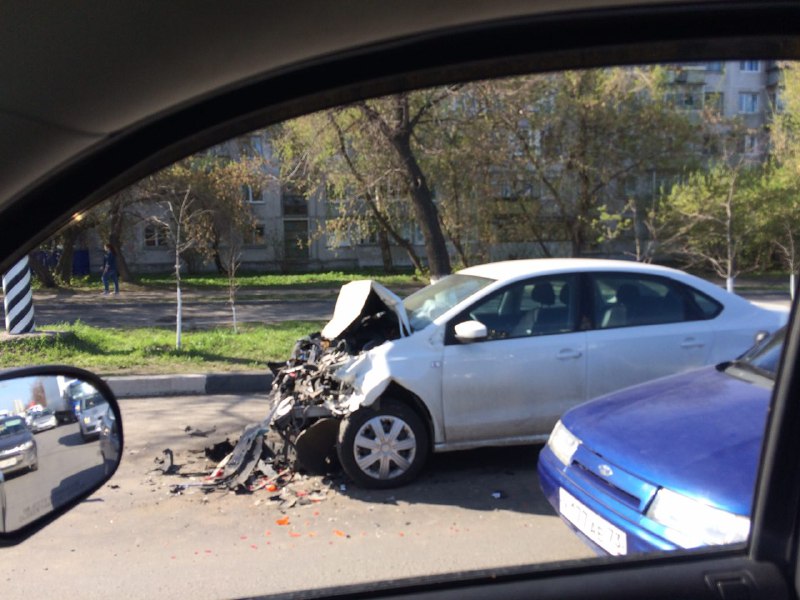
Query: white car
495	353
42	420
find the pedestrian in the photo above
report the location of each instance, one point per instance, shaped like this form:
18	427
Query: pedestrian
110	269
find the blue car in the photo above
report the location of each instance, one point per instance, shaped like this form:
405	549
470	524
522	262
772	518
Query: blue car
667	464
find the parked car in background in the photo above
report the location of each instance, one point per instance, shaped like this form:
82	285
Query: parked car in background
683	476
92	408
17	446
42	420
537	337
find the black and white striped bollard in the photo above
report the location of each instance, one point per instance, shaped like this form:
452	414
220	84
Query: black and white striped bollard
18	299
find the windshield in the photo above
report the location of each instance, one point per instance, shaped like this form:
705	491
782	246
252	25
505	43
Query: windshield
12	426
81	390
761	360
92	401
424	306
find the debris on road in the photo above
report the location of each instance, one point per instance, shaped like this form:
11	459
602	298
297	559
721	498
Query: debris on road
311	393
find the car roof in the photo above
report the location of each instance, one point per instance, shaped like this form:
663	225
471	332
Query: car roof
515	269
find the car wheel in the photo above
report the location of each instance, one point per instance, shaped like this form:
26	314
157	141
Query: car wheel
383	447
34	466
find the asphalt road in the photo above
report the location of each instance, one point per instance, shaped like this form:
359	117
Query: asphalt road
67	468
117	311
208	309
134	539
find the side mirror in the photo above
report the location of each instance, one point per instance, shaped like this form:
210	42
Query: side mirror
471	331
51	464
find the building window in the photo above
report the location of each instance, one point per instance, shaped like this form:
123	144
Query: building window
714	102
154	236
749	144
714	66
750	66
294	202
748	102
252	194
258	235
686	100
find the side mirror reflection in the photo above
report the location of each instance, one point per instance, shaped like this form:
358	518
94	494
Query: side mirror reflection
60	439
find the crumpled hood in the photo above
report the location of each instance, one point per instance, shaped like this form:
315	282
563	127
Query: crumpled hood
698	433
359	299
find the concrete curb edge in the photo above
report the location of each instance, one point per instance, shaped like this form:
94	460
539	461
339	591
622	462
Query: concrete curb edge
142	386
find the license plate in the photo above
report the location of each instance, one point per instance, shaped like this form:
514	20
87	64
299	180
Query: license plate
9	462
611	539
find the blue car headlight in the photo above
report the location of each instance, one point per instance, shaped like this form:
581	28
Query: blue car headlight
691	523
563	444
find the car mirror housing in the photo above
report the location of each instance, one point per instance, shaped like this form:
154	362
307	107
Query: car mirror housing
471	331
47	470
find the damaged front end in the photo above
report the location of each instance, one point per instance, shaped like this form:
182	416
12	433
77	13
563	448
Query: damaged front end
311	392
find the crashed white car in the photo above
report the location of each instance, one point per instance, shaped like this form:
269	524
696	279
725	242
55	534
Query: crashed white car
493	355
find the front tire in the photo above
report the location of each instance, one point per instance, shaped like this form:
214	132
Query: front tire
383	447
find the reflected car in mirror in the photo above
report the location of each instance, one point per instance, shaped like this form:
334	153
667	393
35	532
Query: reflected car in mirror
17	446
109	440
49	474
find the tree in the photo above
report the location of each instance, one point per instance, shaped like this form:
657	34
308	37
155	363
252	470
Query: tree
185	227
710	218
397	119
779	218
204	211
781	185
332	151
113	220
576	139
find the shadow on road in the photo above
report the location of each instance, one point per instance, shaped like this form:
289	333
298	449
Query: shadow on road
71	439
487	479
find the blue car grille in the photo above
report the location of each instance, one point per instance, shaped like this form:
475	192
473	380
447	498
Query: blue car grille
609	480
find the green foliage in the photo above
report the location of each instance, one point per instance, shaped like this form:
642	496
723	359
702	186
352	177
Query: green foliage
710	220
111	351
329	279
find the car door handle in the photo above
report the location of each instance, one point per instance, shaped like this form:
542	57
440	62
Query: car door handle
692	343
567	353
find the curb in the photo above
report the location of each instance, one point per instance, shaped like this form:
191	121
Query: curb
143	386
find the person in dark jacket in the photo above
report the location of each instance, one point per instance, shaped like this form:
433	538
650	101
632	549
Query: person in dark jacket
110	269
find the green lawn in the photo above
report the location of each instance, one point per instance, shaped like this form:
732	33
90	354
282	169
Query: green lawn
109	351
332	279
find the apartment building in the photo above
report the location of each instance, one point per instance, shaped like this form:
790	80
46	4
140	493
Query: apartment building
287	232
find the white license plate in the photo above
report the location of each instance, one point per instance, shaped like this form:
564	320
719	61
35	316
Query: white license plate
9	462
611	539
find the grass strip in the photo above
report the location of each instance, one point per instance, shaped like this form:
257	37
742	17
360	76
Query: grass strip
332	279
151	350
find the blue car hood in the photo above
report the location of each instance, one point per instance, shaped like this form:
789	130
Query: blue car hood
697	433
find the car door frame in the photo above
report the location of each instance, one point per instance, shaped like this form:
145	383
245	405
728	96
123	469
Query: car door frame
510	347
768	566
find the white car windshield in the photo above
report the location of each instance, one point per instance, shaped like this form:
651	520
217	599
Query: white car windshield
424	306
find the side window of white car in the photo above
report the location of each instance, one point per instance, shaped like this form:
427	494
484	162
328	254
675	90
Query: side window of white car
537	307
623	300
